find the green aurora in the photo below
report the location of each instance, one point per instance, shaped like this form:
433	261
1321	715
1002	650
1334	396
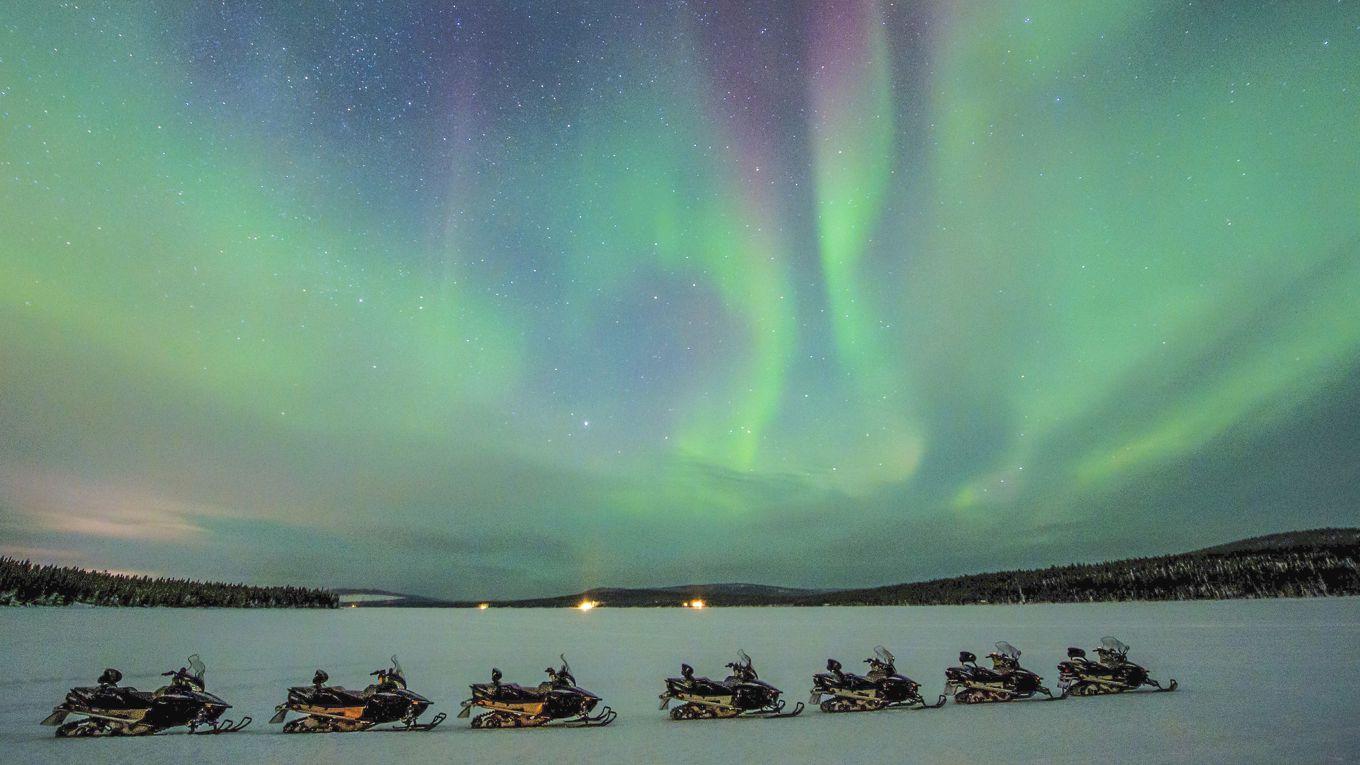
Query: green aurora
516	300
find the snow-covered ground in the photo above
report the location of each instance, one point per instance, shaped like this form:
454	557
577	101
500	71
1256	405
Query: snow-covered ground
1261	681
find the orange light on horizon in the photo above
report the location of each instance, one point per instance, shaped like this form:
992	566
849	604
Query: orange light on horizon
483	606
586	605
695	604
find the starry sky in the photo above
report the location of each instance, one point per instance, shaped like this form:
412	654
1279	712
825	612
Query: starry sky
511	299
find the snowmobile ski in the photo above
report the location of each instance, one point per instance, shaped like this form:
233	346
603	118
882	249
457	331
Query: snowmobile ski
222	726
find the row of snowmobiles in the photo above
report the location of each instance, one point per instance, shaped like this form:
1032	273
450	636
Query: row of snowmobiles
743	694
1006	680
108	709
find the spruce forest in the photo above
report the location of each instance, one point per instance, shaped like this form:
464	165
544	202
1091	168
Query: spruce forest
25	583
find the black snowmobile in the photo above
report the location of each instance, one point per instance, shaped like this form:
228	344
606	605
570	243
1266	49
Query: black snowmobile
109	710
742	693
331	708
1005	681
882	688
515	706
1111	673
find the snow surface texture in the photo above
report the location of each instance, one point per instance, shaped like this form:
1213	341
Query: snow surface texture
1261	681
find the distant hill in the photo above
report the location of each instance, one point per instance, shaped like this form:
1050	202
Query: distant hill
387	599
714	594
1318	562
741	590
23	583
733	594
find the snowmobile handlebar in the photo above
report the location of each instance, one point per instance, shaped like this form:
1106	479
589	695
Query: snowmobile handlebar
561	676
743	669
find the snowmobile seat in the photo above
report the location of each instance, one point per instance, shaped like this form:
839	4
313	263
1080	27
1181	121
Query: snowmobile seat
857	682
706	687
120	698
512	692
984	675
334	695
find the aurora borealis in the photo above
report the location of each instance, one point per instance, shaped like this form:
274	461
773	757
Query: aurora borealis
505	299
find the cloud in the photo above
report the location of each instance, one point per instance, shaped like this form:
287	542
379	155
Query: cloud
69	504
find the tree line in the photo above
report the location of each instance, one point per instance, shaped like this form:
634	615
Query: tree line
23	582
1314	569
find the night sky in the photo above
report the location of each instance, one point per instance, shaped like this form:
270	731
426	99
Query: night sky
505	299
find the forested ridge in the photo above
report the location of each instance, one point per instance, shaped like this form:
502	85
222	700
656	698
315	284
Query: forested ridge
1314	563
23	582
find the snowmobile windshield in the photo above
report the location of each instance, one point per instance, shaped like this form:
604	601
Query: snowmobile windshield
196	667
396	668
883	654
565	672
744	668
1006	649
1113	644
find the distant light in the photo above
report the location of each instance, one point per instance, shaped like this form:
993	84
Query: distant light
695	604
483	606
586	605
353	605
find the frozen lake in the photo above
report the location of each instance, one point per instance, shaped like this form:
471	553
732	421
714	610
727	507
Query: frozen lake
1261	681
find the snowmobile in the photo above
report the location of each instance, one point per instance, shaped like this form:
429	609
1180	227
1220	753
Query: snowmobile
331	708
1005	681
882	688
514	706
107	709
742	693
1111	673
